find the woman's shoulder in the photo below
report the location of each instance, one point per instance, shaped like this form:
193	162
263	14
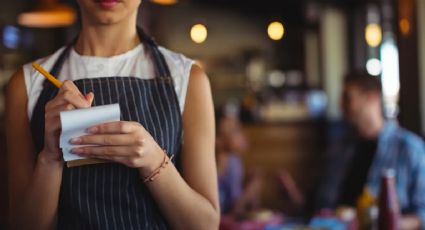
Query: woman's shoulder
177	61
46	62
180	68
173	54
34	81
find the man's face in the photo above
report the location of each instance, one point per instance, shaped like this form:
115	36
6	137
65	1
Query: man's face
355	103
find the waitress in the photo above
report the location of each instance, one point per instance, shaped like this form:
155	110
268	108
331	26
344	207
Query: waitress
157	177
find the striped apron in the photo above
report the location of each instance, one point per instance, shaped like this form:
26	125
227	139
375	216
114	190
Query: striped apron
111	195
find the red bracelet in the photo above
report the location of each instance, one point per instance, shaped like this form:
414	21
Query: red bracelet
156	172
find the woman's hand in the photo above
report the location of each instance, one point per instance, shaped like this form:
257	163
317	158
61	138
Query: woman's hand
68	98
125	142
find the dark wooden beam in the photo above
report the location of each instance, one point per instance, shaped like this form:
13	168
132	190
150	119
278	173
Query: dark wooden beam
409	116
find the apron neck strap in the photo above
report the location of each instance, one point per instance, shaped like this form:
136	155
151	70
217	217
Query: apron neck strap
158	58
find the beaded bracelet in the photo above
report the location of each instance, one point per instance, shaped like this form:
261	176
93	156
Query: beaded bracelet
155	172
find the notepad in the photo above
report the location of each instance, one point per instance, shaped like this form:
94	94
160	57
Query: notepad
75	123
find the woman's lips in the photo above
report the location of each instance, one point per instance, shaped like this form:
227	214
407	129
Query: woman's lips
107	4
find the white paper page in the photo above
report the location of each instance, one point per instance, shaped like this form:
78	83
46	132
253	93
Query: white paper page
75	123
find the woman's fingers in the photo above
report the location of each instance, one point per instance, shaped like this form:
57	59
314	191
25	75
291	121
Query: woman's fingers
52	116
69	93
56	110
105	139
115	127
76	99
68	97
106	151
70	86
130	162
89	97
121	141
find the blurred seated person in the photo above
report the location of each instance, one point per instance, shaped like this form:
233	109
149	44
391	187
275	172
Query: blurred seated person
375	144
235	198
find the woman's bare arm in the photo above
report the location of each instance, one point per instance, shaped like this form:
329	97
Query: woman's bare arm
192	202
34	182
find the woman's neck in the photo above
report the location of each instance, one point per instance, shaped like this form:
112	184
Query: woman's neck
107	40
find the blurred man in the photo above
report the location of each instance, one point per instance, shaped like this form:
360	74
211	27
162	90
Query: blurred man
377	144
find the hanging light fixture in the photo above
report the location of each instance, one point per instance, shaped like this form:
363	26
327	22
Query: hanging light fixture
373	34
199	33
48	14
165	2
276	30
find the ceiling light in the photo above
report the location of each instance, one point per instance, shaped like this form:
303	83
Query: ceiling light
48	14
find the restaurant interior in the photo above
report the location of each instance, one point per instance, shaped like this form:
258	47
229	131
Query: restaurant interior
277	67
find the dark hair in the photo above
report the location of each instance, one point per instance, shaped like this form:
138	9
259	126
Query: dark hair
364	81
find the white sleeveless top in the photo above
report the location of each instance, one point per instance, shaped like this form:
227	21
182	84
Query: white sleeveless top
133	63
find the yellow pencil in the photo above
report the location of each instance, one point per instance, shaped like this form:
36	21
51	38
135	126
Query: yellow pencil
47	75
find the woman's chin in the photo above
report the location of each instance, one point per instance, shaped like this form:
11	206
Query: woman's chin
105	19
108	21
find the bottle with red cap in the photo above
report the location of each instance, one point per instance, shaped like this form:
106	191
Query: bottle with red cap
389	211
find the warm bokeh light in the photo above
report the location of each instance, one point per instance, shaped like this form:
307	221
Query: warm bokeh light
54	15
164	2
276	31
373	35
404	26
199	33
